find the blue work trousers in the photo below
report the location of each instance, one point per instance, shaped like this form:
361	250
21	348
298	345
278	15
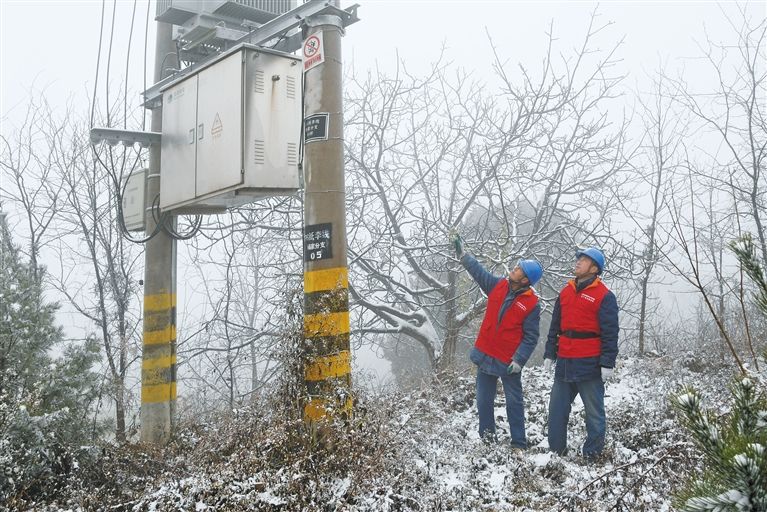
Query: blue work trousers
592	394
515	407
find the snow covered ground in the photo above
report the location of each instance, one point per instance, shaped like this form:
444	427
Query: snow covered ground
421	451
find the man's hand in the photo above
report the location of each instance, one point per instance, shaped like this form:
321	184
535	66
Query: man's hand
547	364
513	368
607	373
455	239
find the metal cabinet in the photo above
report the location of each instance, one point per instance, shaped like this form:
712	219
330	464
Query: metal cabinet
231	132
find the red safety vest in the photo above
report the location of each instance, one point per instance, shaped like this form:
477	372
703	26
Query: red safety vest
579	317
501	340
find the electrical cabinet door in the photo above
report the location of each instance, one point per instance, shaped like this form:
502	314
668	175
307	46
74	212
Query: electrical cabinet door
272	121
219	126
179	134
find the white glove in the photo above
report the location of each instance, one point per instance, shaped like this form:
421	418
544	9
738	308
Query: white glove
547	364
513	368
607	373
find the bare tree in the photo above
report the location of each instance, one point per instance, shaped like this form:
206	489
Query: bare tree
523	172
698	256
28	170
664	132
726	192
69	202
98	265
734	115
247	261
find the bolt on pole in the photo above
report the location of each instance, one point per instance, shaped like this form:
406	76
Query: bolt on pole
327	355
158	361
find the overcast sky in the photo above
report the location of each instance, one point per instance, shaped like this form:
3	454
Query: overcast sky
54	44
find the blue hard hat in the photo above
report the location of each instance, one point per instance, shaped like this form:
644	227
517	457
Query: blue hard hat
596	256
532	269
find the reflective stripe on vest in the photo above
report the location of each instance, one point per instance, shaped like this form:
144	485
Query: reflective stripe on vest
579	313
501	339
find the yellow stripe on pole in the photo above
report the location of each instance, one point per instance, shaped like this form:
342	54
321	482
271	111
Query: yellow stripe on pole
328	279
315	409
159	301
158	393
160	362
318	408
327	367
160	336
326	324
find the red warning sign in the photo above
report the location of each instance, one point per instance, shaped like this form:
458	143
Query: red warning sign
314	51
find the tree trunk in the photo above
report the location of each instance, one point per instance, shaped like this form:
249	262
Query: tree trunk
120	409
643	313
447	359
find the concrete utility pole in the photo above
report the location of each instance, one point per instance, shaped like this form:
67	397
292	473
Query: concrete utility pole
327	373
158	363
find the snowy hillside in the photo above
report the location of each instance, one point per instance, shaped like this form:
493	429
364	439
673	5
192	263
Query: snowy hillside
418	451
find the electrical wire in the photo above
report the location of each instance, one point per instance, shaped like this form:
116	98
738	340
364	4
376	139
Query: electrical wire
120	192
127	66
164	221
125	111
120	185
98	64
146	43
109	58
110	173
173	233
301	127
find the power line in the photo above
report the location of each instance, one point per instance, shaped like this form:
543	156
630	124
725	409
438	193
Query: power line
98	63
109	58
127	67
146	39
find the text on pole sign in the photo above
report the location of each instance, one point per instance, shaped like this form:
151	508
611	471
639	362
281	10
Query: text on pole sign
316	127
317	242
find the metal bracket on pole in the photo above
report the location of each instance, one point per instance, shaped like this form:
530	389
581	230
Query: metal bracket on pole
278	29
112	136
325	19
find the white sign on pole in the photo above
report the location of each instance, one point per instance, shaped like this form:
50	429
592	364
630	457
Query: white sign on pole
313	51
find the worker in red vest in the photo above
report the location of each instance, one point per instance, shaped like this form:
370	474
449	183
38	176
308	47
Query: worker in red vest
506	339
583	339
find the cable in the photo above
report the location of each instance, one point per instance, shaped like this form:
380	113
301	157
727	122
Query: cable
120	192
164	221
301	128
125	96
98	63
119	184
109	57
146	42
171	231
127	67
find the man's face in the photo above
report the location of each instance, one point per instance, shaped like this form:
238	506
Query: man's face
517	276
584	266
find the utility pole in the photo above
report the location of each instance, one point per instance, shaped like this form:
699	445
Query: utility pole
158	362
327	371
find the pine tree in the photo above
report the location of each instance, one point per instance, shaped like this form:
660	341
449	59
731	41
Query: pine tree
44	397
734	447
27	329
745	250
735	477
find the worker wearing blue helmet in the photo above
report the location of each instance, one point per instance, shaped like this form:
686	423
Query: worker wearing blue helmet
506	339
583	340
